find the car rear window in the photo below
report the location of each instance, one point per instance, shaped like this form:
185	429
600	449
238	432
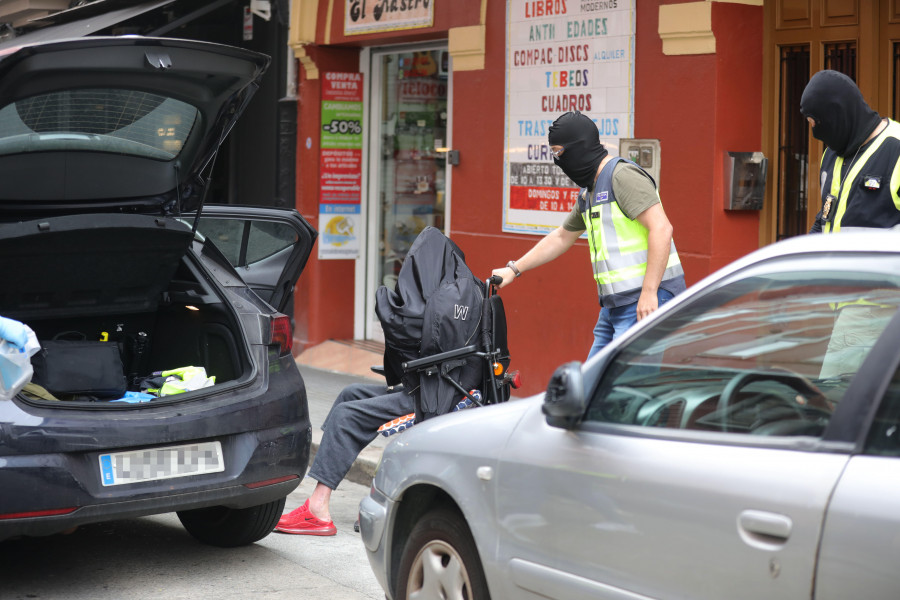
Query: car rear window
101	120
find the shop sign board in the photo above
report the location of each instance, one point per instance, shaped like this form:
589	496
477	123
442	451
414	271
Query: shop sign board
563	55
370	16
340	170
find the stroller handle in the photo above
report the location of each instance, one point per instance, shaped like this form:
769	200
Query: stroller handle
495	280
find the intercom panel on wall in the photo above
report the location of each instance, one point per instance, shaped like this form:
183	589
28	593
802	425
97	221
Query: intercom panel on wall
643	152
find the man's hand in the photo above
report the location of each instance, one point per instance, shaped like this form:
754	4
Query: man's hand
647	303
659	241
506	274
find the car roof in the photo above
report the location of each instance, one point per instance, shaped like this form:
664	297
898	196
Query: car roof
848	241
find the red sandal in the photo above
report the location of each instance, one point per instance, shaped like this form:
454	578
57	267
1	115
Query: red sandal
302	522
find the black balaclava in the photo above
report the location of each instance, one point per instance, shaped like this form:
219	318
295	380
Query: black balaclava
843	119
579	137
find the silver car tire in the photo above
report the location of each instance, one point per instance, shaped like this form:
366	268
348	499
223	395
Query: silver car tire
440	560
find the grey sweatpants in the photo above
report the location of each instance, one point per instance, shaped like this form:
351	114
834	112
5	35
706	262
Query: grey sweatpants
352	423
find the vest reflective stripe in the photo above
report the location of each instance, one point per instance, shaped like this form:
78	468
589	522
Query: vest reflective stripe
618	244
895	181
892	130
860	302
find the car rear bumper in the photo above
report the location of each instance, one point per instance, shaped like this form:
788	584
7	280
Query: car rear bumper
237	496
260	466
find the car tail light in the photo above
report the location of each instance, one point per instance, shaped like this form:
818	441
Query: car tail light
259	484
53	512
281	334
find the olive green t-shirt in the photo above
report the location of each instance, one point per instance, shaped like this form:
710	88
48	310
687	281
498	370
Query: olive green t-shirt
634	193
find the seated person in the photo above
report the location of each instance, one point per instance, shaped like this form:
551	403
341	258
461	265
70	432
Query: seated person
352	423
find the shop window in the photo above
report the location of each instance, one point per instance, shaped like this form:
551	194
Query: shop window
413	129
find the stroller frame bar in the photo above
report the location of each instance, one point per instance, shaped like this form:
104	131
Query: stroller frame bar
437	358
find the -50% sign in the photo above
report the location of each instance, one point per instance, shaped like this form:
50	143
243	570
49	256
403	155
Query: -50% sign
342	126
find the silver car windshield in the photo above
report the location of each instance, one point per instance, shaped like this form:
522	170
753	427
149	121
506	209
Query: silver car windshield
100	120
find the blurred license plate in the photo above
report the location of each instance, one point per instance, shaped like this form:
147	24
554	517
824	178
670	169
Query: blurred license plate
154	464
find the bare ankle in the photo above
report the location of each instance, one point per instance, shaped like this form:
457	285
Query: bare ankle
319	510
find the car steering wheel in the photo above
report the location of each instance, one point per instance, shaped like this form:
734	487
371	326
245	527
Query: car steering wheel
815	397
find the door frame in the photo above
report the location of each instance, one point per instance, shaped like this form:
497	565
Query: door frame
365	324
275	287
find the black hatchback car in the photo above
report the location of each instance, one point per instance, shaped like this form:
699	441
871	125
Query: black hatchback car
106	150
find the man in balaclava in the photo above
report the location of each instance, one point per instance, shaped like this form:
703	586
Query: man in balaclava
576	133
633	257
862	151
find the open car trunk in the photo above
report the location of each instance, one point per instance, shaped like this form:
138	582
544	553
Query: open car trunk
127	279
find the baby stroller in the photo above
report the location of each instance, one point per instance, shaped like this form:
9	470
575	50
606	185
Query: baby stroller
445	330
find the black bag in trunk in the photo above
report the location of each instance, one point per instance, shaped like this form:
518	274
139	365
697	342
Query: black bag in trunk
80	367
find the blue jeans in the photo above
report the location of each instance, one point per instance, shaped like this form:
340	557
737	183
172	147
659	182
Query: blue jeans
613	322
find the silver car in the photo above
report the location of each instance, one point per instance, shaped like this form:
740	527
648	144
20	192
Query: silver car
743	442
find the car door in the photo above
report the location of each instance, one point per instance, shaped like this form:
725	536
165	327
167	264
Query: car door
632	517
860	551
268	247
703	466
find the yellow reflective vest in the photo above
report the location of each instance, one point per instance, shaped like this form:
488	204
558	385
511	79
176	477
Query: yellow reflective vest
618	244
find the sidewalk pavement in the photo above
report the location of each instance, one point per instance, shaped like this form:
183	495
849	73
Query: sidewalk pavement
326	370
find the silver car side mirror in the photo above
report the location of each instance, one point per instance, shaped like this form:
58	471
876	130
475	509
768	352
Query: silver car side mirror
564	401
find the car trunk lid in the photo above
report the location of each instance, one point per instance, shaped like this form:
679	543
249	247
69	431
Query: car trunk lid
125	124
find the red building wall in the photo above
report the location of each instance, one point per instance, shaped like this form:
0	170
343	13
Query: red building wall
323	297
739	122
698	106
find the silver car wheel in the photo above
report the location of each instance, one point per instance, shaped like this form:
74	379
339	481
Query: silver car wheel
438	572
440	560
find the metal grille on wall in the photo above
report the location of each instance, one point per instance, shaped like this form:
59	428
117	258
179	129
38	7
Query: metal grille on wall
793	145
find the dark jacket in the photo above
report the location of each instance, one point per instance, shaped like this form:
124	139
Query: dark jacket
436	306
